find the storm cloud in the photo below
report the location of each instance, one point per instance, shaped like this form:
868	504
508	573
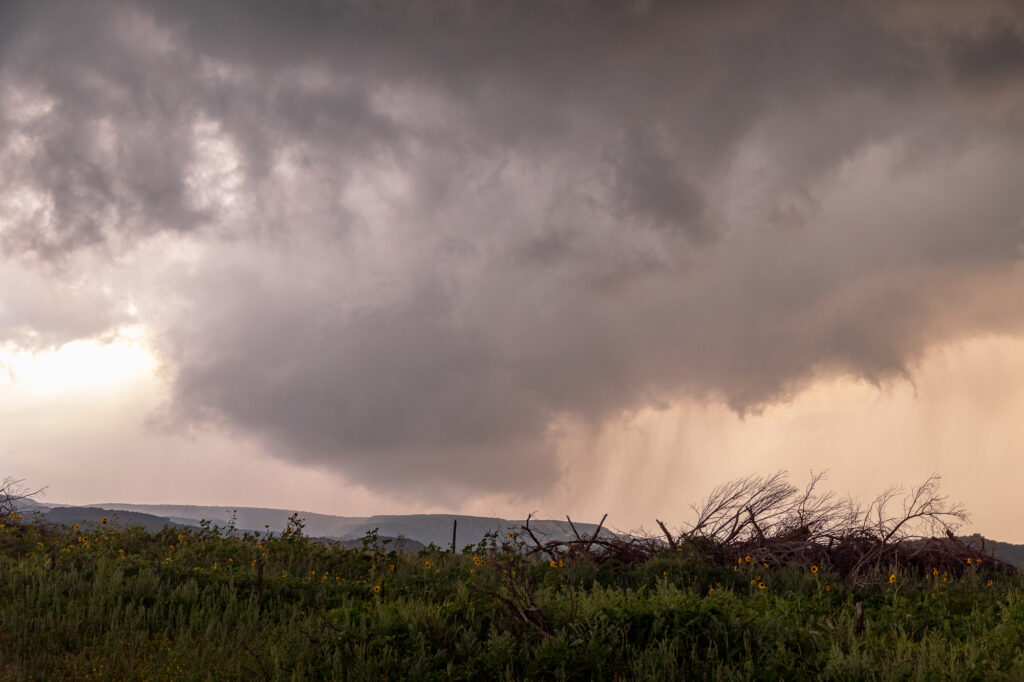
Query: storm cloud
410	241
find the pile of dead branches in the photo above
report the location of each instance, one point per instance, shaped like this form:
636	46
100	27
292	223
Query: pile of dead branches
13	494
624	548
769	520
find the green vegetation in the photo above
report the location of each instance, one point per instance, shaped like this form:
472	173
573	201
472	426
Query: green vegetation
768	583
110	603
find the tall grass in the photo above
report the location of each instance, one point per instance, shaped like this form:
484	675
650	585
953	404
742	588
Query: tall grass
111	603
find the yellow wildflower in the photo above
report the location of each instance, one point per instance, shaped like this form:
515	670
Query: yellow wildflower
376	589
814	568
892	577
426	564
760	586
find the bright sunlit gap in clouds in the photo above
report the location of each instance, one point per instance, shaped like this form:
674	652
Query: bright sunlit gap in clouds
84	367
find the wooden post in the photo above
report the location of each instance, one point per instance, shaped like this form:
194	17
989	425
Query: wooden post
455	524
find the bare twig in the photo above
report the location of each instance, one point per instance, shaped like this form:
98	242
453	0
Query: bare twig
668	536
573	526
595	534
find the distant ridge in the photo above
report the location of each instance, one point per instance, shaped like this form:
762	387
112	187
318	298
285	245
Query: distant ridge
422	528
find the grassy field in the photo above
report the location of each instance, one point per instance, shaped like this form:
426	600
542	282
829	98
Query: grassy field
111	603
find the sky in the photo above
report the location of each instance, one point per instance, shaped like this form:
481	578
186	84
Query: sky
572	257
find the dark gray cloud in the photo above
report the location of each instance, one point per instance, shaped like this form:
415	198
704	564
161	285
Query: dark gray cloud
993	58
415	238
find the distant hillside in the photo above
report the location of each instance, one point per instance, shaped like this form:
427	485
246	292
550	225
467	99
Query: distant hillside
69	516
1013	554
251	518
424	528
